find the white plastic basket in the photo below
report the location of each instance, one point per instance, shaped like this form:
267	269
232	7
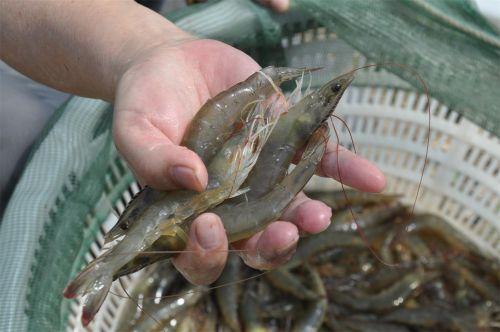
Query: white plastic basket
462	178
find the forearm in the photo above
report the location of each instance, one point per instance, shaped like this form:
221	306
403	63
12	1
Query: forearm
80	47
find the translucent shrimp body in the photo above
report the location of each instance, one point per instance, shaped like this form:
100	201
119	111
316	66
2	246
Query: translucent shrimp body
247	218
292	132
211	127
168	217
214	122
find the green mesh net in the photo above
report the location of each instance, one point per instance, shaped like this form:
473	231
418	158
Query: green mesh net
74	174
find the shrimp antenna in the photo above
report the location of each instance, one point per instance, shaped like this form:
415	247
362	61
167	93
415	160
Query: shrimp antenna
229	283
160	252
427	108
426	90
348	130
358	227
136	302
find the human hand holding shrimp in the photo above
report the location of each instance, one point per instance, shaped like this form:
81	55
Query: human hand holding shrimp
158	77
153	112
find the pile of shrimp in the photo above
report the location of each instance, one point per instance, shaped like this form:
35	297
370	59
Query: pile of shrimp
247	136
436	281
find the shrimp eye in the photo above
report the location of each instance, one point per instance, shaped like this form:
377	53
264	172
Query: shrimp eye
336	87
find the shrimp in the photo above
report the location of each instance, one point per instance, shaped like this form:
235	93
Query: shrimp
314	314
291	132
389	298
250	311
288	282
247	218
244	217
150	284
227	296
476	318
211	127
369	217
168	219
337	201
213	124
331	237
166	310
201	317
429	222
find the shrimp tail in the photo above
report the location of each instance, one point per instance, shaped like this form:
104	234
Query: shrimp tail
90	278
96	288
95	299
80	284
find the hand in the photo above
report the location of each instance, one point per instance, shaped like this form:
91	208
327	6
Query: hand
156	99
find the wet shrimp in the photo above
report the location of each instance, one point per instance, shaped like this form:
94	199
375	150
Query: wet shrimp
168	218
213	124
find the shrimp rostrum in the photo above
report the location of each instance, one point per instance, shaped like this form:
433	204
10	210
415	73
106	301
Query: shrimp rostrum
159	221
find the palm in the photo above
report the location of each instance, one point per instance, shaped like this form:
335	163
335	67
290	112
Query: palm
157	99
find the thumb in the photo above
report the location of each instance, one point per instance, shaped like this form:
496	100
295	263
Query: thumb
206	251
160	163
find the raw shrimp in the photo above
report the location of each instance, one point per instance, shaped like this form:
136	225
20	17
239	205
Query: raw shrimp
337	200
213	124
331	237
166	310
361	325
144	291
291	132
288	282
392	297
168	218
246	218
369	217
228	295
211	127
314	313
475	318
250	311
201	317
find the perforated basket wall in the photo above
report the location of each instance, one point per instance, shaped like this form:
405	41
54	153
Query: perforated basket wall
76	179
389	125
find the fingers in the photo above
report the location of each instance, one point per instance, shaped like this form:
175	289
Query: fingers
277	5
310	216
206	251
355	171
155	160
271	247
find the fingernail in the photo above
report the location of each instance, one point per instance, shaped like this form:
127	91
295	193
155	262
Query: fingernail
185	177
209	233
